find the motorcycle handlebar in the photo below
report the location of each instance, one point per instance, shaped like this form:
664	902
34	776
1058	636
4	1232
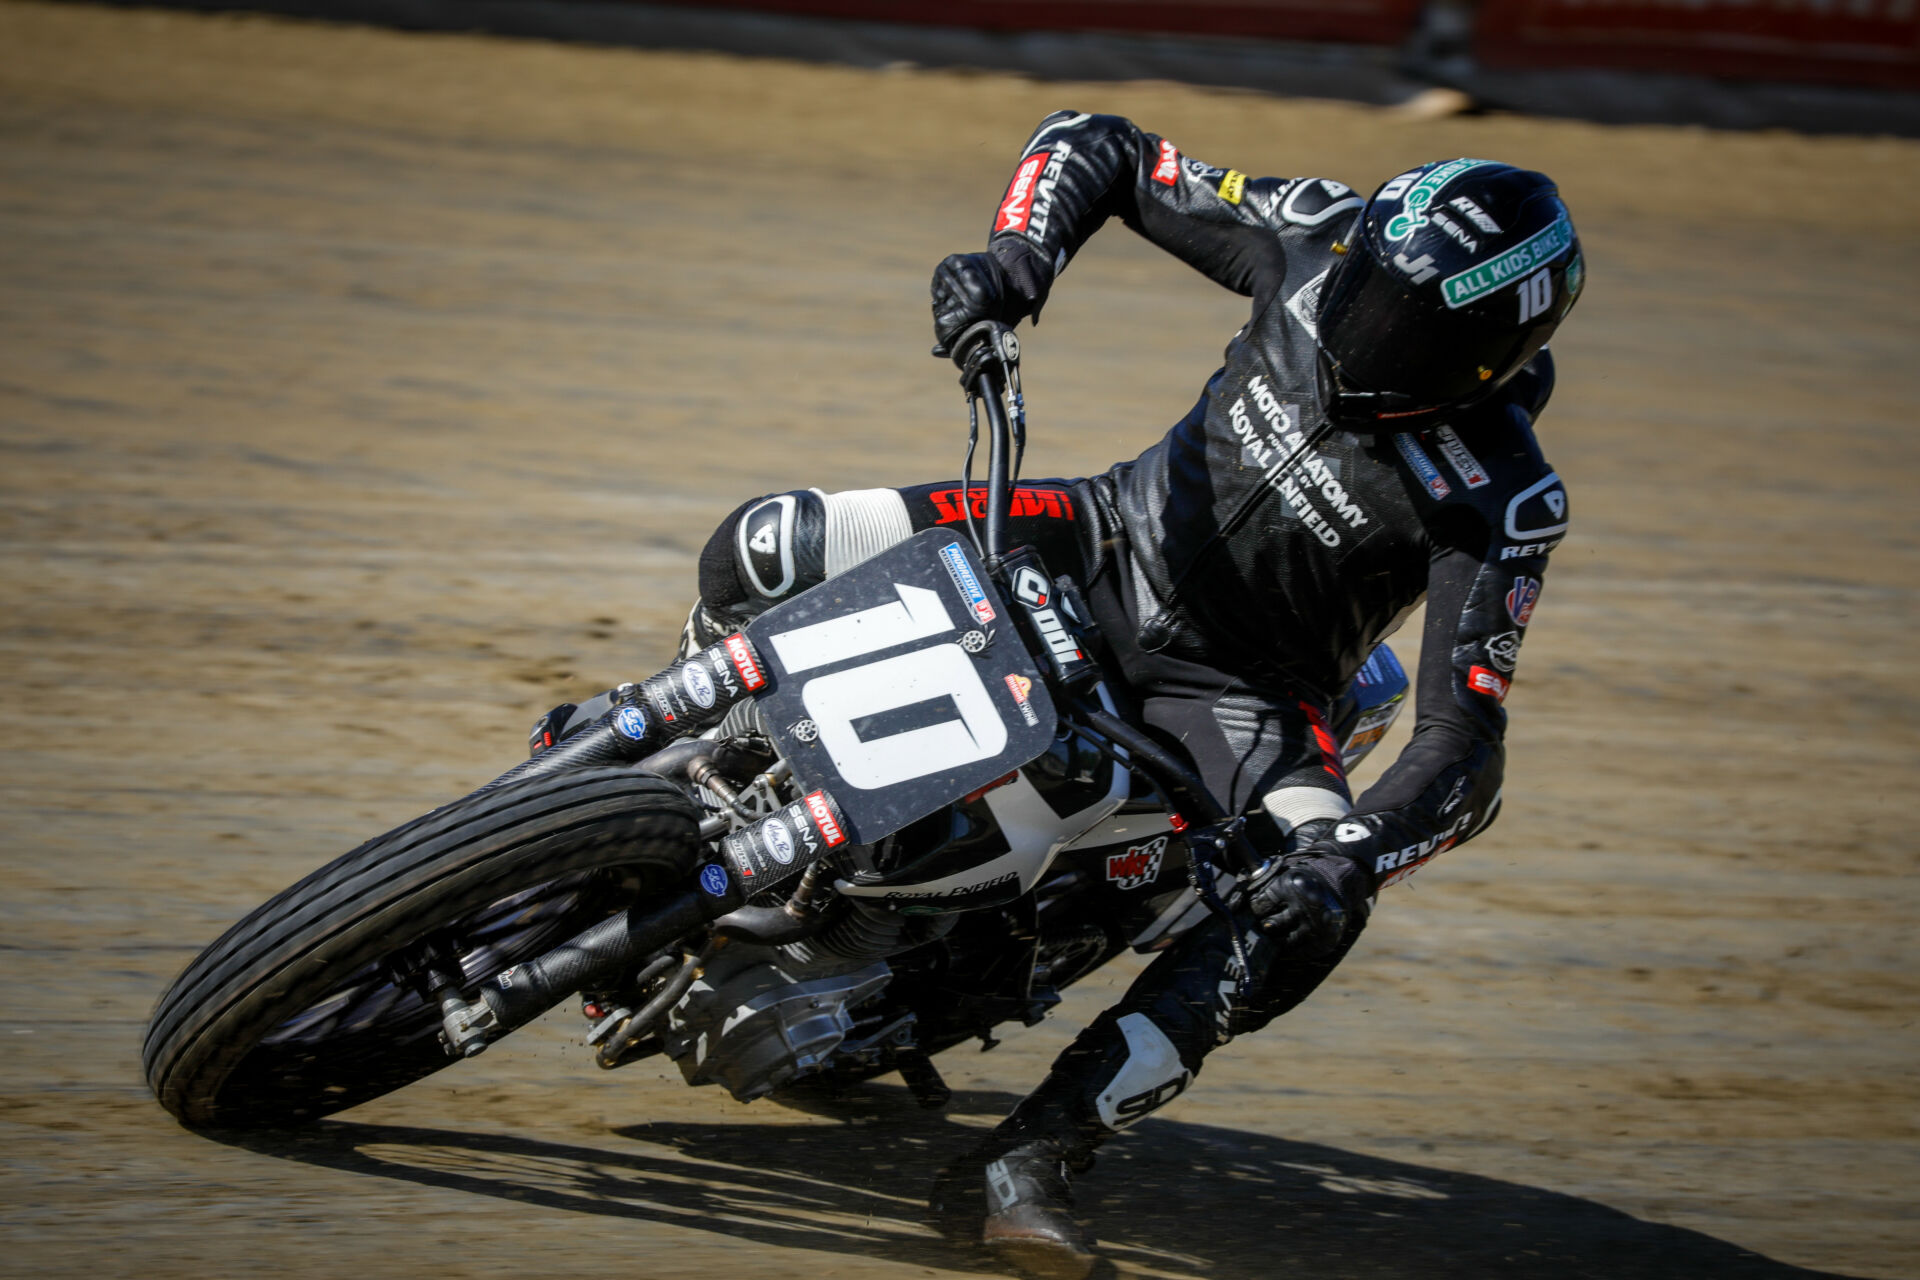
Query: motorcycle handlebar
988	355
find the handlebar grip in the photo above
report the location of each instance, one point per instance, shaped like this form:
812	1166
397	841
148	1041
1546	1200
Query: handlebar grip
976	341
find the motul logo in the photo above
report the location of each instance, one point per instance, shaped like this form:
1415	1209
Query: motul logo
1167	172
822	814
1017	208
742	654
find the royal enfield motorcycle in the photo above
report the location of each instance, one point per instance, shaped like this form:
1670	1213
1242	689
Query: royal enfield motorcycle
896	812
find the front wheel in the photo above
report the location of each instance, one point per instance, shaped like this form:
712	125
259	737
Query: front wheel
298	1010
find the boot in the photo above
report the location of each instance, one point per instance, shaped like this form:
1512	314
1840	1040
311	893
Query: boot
1016	1202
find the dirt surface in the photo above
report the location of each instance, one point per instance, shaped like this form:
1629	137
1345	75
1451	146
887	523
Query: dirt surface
362	395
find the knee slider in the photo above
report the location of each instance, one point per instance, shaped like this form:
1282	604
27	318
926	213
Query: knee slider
769	549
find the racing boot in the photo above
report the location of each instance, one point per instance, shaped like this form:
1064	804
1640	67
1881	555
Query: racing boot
1015	1200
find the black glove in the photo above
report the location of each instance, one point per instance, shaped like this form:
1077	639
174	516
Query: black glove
1306	903
969	288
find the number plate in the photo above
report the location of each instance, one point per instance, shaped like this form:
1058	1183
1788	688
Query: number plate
901	685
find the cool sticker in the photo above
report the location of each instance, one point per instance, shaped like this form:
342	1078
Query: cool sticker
1413	205
1506	268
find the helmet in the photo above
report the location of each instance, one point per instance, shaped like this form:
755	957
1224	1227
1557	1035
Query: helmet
1453	276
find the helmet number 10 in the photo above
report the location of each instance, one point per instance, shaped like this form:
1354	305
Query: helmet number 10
1536	295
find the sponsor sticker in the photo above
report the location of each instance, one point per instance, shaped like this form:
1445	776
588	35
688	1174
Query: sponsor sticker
1021	687
1538	512
822	814
1139	865
1422	465
1413	205
713	878
1233	186
965	583
1483	680
1506	268
779	841
1479	217
743	661
1524	594
1167	172
630	723
950	505
1030	588
1401	863
739	848
1304	305
1461	458
1016	210
698	684
1503	650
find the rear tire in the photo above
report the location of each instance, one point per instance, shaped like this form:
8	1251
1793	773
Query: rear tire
292	1015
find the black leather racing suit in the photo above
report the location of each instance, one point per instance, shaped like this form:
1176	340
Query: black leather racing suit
1258	540
1242	569
1265	543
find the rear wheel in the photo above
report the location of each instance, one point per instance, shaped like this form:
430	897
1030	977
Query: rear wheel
301	1008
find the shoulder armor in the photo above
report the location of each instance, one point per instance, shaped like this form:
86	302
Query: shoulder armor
1314	202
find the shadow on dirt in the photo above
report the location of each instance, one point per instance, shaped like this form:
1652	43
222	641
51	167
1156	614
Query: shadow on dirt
1177	1199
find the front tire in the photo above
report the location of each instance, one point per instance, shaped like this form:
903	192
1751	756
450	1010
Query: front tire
293	1013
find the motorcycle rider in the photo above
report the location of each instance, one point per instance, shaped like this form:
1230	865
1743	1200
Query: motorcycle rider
1367	443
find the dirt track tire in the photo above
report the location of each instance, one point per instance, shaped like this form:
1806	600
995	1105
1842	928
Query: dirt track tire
289	1015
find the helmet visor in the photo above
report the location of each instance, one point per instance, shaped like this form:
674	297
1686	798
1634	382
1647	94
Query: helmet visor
1404	353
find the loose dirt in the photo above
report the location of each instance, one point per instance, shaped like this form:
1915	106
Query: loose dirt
362	395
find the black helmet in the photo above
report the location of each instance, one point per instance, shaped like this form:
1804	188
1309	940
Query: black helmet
1453	276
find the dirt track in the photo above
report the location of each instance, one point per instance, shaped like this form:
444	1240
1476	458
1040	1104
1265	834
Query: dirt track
363	395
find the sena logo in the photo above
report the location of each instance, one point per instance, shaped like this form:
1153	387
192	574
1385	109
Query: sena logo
1138	865
744	662
1483	680
822	814
1167	172
1017	209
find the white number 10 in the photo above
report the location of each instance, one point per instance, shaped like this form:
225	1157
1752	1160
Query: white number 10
1536	295
835	701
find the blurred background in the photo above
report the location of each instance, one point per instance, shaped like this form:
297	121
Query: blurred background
371	375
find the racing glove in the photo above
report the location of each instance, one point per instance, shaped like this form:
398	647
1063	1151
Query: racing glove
1308	901
969	288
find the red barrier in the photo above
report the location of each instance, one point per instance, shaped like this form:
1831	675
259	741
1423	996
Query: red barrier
1856	42
1350	21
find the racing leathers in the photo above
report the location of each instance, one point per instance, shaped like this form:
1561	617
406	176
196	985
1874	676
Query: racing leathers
1260	539
1242	570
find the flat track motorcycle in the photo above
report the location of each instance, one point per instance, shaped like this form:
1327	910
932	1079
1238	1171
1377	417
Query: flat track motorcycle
891	814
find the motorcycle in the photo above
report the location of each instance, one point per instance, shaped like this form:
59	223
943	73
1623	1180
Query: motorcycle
894	813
